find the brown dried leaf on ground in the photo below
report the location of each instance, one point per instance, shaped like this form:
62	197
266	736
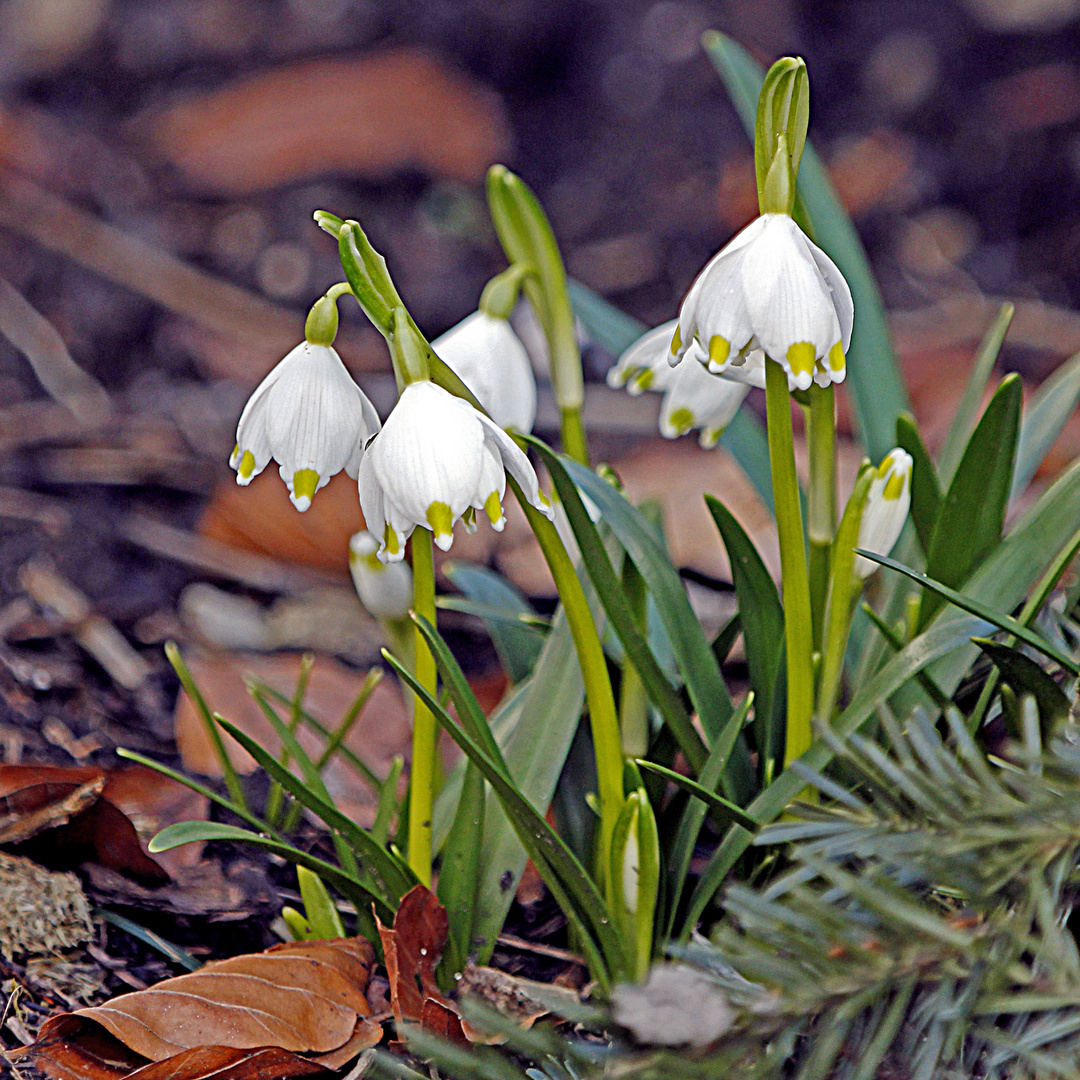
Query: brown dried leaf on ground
361	115
59	815
412	948
303	998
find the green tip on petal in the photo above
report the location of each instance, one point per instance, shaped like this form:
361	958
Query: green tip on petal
390	540
719	349
894	486
836	357
800	357
676	341
305	481
493	509
247	464
641	380
682	420
441	521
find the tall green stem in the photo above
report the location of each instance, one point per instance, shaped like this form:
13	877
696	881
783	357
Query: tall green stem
423	771
603	717
572	431
798	627
821	503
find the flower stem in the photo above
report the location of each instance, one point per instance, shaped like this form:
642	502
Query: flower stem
572	431
633	701
821	504
422	774
798	629
603	717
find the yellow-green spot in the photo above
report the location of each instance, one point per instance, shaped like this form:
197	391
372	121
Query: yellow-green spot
836	357
643	379
247	464
682	420
886	464
543	500
676	341
440	519
390	540
304	482
373	562
894	486
719	349
493	508
469	518
800	358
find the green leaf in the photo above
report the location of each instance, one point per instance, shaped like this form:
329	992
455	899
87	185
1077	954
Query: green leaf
188	832
925	491
171	952
973	511
459	873
613	596
725	812
983	611
1026	677
563	874
1051	405
322	915
762	618
944	637
518	645
896	643
964	417
696	662
874	381
390	876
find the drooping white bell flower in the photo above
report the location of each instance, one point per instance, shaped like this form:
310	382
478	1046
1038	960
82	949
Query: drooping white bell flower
385	589
693	398
310	417
770	288
886	509
438	460
489	358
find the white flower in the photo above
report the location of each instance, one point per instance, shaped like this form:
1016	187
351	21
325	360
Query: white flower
489	358
692	396
310	417
886	509
385	589
438	460
772	289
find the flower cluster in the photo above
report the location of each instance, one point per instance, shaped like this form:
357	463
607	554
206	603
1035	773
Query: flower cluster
438	460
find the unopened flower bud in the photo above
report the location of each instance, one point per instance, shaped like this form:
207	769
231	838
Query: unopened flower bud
385	589
886	510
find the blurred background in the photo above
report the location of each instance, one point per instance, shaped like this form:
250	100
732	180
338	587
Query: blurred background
159	164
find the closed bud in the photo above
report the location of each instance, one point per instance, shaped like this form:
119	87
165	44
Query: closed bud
886	510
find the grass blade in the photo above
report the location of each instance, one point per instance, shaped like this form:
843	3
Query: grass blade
1051	406
725	812
926	494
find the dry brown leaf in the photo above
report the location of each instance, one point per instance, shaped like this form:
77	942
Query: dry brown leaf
59	815
364	116
411	949
302	997
381	732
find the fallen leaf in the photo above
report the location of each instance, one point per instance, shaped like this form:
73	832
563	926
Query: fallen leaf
361	115
298	998
59	816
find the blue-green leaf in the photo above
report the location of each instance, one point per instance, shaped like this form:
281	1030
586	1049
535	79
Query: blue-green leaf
1051	405
1026	677
925	490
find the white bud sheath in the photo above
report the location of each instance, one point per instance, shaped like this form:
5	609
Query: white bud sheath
693	398
886	509
771	288
435	460
385	589
489	358
310	417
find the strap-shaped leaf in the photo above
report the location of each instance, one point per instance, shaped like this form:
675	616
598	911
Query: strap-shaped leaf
562	872
1026	677
762	618
187	832
390	874
1051	406
613	597
973	511
925	490
517	644
983	611
874	381
723	810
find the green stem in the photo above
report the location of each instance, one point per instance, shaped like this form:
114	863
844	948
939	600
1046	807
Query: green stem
603	717
423	770
276	796
798	626
633	701
572	430
821	503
